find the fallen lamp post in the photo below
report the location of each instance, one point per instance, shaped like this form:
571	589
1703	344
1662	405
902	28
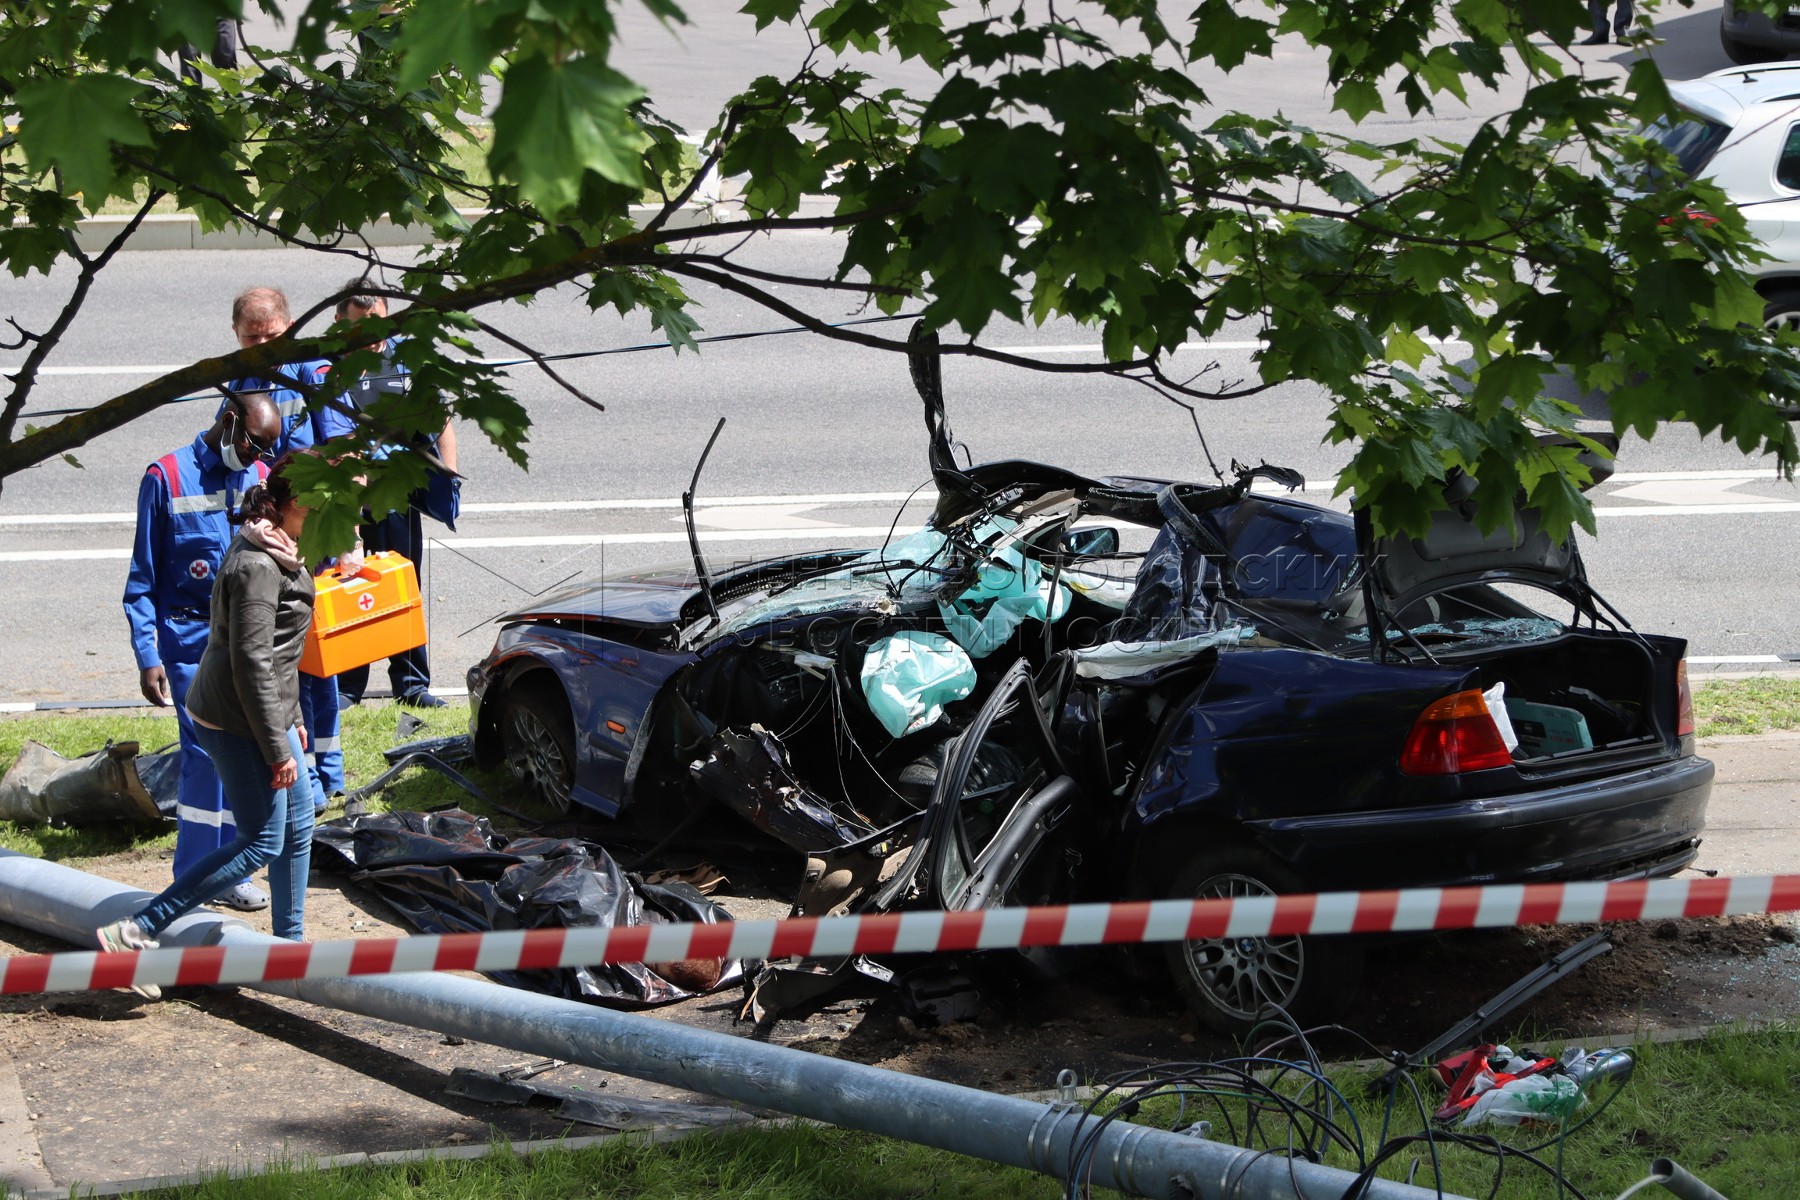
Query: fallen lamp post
1137	1160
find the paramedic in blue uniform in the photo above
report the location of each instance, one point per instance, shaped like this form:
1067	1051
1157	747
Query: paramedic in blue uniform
258	315
184	507
409	672
261	315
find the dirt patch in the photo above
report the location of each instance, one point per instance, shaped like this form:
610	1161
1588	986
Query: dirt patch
122	1089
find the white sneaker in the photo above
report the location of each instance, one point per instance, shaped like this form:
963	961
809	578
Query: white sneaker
245	897
129	935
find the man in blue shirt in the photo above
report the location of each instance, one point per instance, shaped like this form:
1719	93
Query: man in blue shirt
184	510
409	672
258	315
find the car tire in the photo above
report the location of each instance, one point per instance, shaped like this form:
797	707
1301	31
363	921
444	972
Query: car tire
537	740
1227	982
1746	54
1781	309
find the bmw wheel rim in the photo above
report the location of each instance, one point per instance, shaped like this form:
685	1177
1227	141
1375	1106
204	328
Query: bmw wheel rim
1788	319
538	760
1243	974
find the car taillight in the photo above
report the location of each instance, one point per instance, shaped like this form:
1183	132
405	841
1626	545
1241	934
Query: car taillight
1454	735
1684	701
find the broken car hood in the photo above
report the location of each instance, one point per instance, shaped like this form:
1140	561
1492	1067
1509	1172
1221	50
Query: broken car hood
662	597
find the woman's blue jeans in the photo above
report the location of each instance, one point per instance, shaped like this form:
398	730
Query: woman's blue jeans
273	826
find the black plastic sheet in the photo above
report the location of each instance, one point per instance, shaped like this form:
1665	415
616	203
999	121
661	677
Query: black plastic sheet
99	788
450	872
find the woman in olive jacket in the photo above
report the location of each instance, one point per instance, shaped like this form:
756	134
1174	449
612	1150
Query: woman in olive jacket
245	704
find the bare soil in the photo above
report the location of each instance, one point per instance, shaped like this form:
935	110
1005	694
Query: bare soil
120	1088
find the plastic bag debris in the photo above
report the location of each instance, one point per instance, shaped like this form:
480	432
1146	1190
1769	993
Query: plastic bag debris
44	788
1531	1098
909	677
449	872
748	772
1495	699
1588	1068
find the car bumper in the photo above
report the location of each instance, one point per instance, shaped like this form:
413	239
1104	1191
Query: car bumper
1638	824
1760	29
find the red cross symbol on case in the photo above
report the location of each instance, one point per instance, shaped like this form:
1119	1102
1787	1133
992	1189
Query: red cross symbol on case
366	601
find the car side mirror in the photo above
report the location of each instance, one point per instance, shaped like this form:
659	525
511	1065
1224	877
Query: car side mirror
1103	539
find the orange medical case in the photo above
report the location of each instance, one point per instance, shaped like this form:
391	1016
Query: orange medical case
368	617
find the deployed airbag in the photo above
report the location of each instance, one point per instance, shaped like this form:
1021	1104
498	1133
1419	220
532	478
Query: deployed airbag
1009	589
909	677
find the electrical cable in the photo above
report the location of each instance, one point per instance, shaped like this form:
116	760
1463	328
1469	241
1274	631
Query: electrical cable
1279	1100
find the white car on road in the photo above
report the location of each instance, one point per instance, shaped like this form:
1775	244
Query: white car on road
1741	131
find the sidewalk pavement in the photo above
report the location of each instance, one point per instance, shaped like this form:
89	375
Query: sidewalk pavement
1753	822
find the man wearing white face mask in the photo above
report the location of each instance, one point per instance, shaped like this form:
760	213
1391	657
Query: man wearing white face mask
185	503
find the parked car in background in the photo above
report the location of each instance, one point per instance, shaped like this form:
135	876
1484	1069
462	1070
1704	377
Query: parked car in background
1749	36
1006	708
1740	128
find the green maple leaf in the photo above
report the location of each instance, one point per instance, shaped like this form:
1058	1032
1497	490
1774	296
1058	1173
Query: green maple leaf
73	122
556	120
444	31
1357	99
767	12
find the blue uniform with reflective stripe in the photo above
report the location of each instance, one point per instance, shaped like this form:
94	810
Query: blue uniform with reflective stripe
300	428
409	672
184	507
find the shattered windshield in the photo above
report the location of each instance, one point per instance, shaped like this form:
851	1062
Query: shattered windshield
906	574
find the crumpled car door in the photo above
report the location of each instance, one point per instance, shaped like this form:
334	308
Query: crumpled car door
1003	791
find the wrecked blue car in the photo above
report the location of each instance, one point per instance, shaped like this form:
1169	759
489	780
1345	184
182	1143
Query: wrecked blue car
1005	707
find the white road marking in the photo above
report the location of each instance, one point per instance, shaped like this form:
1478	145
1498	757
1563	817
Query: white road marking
146	369
99	518
836	533
1022	351
1767	473
672	537
1317	490
764	516
1714	660
1688	492
544	506
1697	510
1185	347
775	508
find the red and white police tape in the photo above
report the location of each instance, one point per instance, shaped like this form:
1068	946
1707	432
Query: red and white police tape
916	932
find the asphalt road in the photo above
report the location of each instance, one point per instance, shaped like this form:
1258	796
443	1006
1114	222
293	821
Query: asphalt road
822	441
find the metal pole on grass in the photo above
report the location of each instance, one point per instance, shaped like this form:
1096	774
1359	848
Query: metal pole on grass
1133	1159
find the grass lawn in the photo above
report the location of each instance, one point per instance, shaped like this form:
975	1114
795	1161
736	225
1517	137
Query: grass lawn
1725	1107
468	156
1756	705
769	1163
